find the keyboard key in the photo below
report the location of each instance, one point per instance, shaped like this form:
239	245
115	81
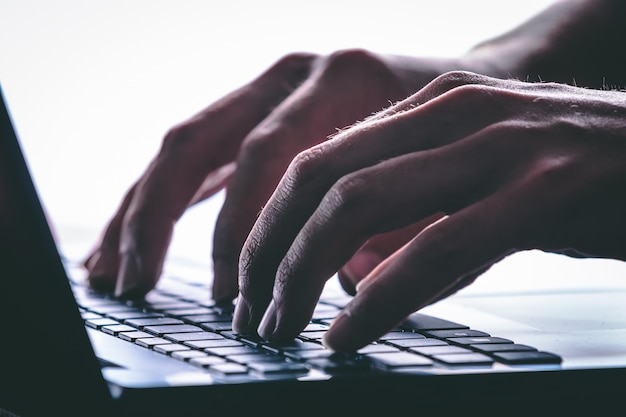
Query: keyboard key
204	344
169	348
251	340
376	348
94	302
157	321
204	318
186	355
339	363
207	360
188	311
185	337
305	355
231	350
399	359
217	326
232	335
401	335
98	323
439	350
114	308
256	357
116	329
132	336
170	305
418	321
444	334
502	347
88	315
229	369
478	340
527	357
175	328
151	341
294	346
278	367
465	359
407	343
137	314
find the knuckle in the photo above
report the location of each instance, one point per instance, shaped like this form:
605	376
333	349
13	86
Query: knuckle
305	168
475	94
179	137
464	84
294	61
291	69
555	173
350	194
260	145
344	62
453	79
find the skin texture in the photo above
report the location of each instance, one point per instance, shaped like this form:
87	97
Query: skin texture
372	190
517	166
295	104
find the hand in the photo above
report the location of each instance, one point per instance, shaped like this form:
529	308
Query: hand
510	165
245	142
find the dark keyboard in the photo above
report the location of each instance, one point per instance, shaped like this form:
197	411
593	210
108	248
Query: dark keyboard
178	319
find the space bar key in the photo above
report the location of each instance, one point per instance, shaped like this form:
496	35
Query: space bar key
419	321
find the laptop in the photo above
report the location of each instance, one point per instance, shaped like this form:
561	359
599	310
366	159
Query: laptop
495	349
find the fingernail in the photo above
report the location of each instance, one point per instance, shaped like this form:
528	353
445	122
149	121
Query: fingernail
241	317
99	275
361	264
267	327
338	332
129	283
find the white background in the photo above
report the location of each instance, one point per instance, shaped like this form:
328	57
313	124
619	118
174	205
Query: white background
94	85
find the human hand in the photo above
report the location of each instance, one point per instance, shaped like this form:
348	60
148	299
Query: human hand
512	165
245	142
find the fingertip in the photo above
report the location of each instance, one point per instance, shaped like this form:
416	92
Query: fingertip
101	273
339	336
267	327
241	317
133	280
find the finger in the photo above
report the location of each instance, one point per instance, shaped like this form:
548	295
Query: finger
103	262
375	200
313	172
335	95
375	251
190	153
436	261
463	282
214	182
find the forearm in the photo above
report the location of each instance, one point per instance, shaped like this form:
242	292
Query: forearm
572	41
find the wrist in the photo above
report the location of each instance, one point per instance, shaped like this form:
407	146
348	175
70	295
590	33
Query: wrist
574	42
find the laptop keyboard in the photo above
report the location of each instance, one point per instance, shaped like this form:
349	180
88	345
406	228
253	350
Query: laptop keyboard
178	319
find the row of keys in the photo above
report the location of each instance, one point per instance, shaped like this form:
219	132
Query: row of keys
201	335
